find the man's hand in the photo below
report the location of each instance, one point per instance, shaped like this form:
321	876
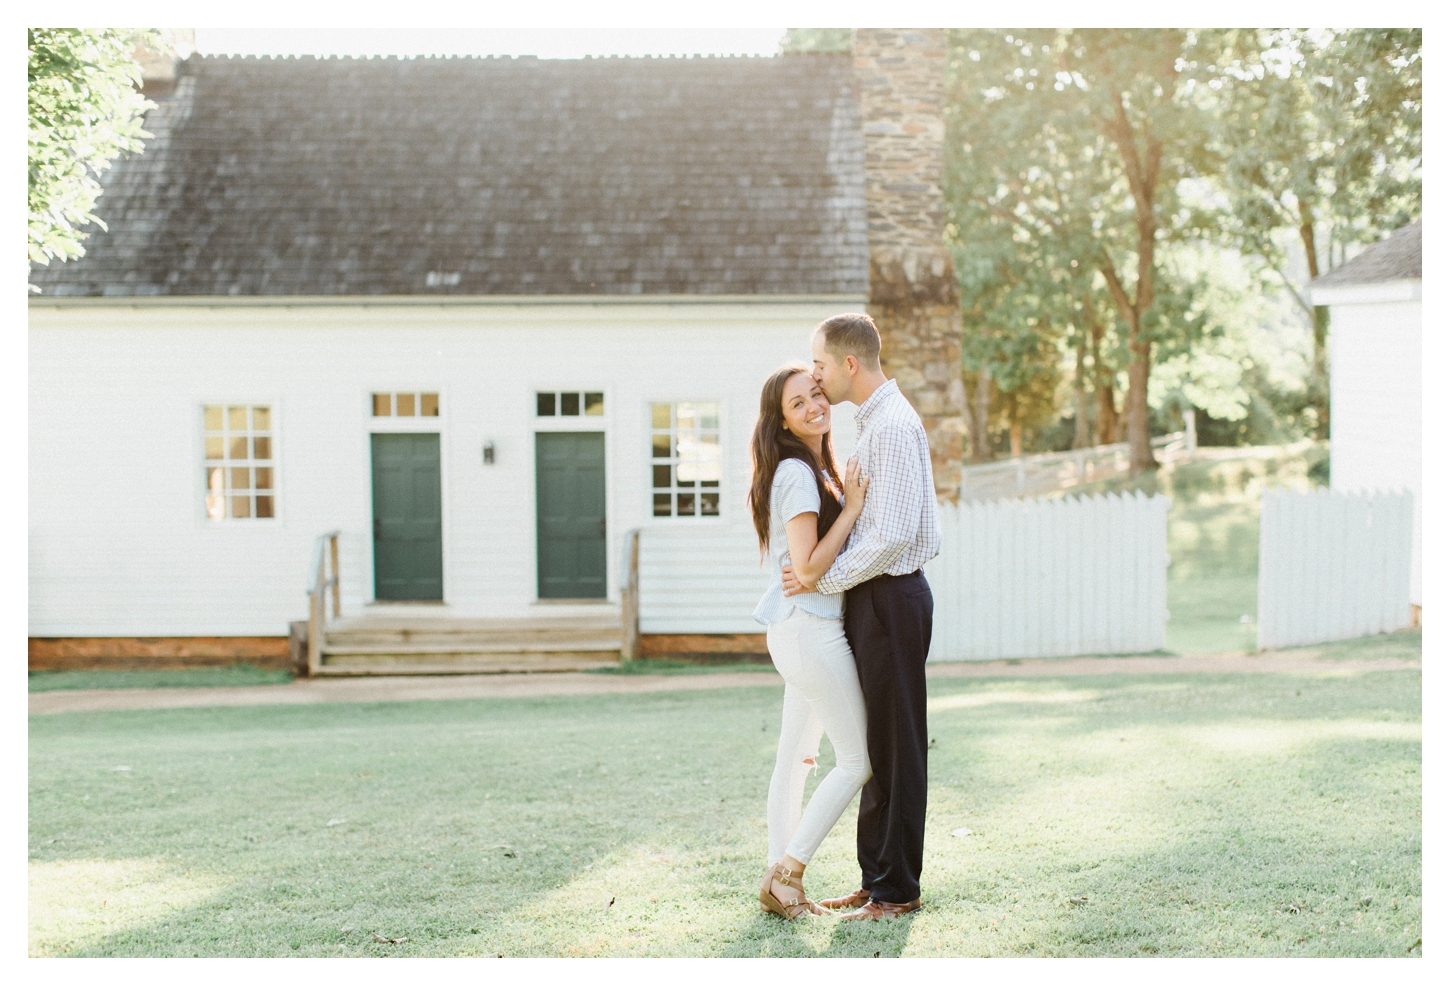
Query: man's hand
794	586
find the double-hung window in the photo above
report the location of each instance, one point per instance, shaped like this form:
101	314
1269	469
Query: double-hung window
685	459
240	475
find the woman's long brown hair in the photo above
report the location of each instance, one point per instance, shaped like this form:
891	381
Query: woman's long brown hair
771	443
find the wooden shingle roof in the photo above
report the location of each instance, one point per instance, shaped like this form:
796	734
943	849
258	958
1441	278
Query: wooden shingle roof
1394	258
487	176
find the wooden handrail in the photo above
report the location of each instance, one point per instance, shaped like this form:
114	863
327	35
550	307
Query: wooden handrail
629	597
324	548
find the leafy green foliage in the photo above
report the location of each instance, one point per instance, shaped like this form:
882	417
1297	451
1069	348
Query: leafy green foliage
85	111
1097	180
798	40
1320	133
1064	154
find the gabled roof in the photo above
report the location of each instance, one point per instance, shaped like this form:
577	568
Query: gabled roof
1394	258
479	176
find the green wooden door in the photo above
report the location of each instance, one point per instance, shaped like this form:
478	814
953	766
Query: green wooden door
569	467
407	518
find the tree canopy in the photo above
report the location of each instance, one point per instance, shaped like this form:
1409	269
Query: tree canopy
1123	196
85	110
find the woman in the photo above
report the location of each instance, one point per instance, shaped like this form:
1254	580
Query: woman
800	517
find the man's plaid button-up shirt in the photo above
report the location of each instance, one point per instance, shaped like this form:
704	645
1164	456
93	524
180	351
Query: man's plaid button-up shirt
899	530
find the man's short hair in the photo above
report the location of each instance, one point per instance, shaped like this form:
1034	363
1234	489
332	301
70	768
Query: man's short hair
854	333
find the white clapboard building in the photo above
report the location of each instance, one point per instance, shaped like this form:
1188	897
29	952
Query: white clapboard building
1375	360
481	316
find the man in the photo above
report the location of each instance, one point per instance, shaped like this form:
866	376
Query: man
888	611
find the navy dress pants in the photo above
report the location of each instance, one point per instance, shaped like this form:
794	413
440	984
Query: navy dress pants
888	624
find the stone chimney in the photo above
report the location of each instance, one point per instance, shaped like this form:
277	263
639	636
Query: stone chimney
901	76
158	69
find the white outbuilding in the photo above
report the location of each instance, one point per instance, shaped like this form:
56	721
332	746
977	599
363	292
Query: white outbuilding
482	316
1374	373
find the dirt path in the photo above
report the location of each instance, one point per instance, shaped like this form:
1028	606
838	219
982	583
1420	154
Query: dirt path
407	689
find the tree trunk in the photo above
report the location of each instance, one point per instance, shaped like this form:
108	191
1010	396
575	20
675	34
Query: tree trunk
1081	436
1014	428
1319	371
981	440
1135	404
1107	404
1141	170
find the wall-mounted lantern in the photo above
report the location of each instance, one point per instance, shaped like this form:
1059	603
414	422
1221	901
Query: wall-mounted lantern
488	453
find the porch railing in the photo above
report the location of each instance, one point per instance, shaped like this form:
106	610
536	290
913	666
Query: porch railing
324	548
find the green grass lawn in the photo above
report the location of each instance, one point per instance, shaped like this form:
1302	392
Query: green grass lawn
1251	815
234	674
1213	539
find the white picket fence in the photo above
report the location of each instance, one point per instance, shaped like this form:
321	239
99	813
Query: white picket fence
1050	578
1333	565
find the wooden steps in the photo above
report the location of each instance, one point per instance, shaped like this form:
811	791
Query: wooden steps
382	644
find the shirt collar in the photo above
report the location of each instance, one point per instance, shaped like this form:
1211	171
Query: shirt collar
877	398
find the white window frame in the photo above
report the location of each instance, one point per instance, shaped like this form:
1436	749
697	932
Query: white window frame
393	423
579	422
204	519
720	518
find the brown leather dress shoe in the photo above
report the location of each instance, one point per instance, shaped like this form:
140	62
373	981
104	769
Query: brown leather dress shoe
875	910
854	899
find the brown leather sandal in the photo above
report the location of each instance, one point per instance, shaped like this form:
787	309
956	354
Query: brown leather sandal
854	899
793	905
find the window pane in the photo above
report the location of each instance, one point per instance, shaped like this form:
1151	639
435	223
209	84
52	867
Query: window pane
405	405
216	504
594	404
264	477
662	504
546	405
261	448
708	458
659	415
237	418
215	447
685	416
709	482
238	448
429	406
212	414
241	506
662	477
661	446
261	419
569	405
709	504
264	506
241	479
382	405
687	505
709	415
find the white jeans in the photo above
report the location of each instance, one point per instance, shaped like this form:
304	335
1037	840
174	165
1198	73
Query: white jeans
822	693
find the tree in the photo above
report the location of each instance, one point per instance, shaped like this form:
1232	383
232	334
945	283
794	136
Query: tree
85	110
1321	136
1076	142
807	39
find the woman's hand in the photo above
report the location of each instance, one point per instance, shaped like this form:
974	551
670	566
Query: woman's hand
855	491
